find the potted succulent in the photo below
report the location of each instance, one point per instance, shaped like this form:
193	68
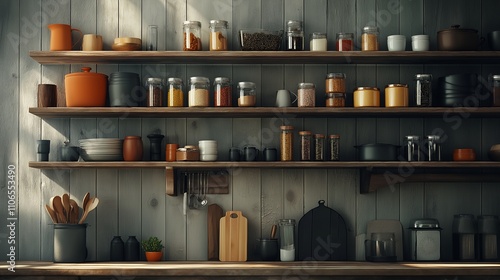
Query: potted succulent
152	248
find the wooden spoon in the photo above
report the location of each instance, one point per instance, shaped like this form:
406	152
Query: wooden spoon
85	200
91	205
75	212
66	205
52	214
59	209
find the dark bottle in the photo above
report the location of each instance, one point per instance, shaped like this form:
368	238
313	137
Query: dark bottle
132	249
117	248
155	146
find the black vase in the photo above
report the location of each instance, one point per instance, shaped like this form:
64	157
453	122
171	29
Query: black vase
131	249
117	249
155	146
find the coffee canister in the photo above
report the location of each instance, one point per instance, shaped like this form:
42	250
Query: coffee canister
425	240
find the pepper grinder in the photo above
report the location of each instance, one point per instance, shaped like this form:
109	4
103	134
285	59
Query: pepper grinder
155	146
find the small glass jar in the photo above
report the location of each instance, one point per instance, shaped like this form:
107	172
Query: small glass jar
334	147
198	92
222	92
306	95
295	36
369	38
319	147
287	240
318	42
433	148
305	144
218	35
335	82
335	99
154	88
344	42
423	92
411	148
247	94
286	142
175	96
192	36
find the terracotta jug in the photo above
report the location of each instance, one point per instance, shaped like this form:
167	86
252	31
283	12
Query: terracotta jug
132	148
60	37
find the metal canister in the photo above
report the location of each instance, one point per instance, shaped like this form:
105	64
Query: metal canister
425	240
411	148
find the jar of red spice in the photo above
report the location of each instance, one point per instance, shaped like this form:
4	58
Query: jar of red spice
344	42
192	36
222	92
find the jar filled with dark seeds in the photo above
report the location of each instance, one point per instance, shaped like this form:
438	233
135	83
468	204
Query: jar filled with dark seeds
295	35
319	146
334	147
423	91
305	145
154	92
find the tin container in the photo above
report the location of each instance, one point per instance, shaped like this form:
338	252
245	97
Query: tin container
396	95
425	240
367	97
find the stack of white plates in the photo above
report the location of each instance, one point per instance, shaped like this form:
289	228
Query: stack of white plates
101	149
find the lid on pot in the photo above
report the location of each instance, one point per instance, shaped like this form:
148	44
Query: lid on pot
424	224
455	28
397	85
423	76
305	132
86	73
367	88
334	136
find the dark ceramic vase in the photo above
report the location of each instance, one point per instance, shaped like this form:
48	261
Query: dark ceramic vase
132	249
155	146
117	249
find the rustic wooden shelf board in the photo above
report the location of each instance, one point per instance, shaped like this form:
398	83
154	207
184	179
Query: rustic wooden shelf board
265	57
260	112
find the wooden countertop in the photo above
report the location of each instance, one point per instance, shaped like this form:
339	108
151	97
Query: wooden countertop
263	270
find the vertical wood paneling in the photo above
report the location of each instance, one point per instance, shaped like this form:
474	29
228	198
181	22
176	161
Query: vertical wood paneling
176	15
411	19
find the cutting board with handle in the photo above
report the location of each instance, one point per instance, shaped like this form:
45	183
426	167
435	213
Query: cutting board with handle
233	237
214	215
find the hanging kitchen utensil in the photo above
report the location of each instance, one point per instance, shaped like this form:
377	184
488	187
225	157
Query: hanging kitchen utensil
214	215
233	237
322	235
274	229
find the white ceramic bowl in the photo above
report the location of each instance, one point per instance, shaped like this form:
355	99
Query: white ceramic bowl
420	43
208	157
396	43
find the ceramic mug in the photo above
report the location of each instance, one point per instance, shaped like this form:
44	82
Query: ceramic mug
396	43
420	43
283	98
250	153
47	95
60	37
92	42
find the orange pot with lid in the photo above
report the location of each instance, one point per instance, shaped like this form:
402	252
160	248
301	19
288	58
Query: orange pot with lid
86	89
367	97
396	95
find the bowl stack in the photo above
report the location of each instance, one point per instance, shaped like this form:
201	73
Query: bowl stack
208	150
456	88
101	149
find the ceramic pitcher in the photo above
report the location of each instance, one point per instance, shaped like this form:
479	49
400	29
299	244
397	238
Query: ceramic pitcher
60	37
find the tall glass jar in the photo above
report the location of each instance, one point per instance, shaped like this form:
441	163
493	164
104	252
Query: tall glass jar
344	42
423	90
369	38
411	148
318	42
222	92
218	35
175	96
247	94
433	148
286	142
305	144
198	92
495	90
319	146
295	36
154	96
192	36
335	82
287	240
306	95
334	147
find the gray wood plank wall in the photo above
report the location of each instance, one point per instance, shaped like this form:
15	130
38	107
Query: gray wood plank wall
133	201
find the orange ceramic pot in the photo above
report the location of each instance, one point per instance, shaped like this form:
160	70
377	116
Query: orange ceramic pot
86	89
60	37
464	155
153	256
132	148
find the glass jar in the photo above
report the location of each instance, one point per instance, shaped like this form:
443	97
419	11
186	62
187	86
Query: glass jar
423	93
344	42
335	82
222	92
306	95
286	142
175	96
218	35
369	38
154	96
287	240
334	146
318	42
247	94
192	36
295	36
335	99
319	146
198	92
305	145
433	148
411	148
495	90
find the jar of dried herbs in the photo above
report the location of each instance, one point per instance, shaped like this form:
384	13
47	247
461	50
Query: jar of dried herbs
305	145
319	146
334	142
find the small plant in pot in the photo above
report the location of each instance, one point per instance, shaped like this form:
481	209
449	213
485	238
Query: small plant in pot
152	248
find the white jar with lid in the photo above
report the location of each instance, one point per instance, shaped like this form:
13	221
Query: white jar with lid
318	42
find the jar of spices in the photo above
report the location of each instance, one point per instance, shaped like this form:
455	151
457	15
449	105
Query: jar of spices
335	82
305	145
222	92
369	38
192	36
286	142
334	146
319	146
175	96
295	36
154	88
334	99
306	95
344	42
247	94
218	35
423	93
318	42
198	92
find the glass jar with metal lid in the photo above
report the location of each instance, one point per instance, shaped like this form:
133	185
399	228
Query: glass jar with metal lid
222	92
286	142
412	148
334	146
192	36
495	89
344	42
154	92
369	38
306	95
175	95
247	94
335	82
396	95
367	97
198	92
318	42
433	148
319	146
334	99
295	35
305	144
423	90
218	35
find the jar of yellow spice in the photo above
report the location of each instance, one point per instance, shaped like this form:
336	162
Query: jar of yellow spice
369	38
175	96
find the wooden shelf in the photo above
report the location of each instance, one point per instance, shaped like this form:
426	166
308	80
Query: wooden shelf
258	112
266	57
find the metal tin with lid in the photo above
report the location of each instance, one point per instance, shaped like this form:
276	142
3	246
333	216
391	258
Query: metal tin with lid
367	97
425	240
396	95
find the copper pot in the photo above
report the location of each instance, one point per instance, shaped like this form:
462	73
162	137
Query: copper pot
458	39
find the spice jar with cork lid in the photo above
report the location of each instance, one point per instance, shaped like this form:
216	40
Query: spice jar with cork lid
334	147
319	146
218	35
286	142
192	36
369	38
222	92
305	145
306	95
175	96
198	92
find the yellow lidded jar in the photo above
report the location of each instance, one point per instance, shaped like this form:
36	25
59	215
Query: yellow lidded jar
367	97
396	95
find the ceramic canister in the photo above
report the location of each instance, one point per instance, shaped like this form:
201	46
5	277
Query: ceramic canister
132	148
396	95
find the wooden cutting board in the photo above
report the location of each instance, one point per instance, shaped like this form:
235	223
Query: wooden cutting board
233	237
214	215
